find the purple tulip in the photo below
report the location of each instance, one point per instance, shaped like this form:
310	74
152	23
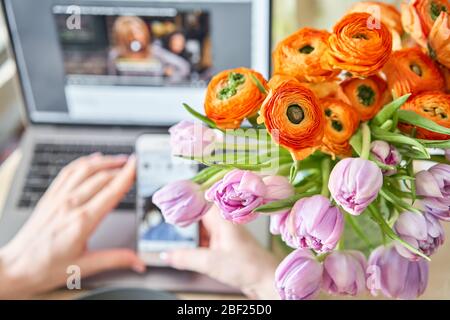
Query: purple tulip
344	273
354	183
182	202
278	188
314	223
278	223
387	154
299	276
434	184
237	195
191	139
424	232
396	276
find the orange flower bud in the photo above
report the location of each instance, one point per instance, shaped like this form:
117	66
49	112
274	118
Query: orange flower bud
300	55
433	105
366	96
341	123
439	39
358	48
412	71
418	17
232	95
294	118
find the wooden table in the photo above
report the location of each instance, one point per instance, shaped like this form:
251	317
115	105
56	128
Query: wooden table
438	285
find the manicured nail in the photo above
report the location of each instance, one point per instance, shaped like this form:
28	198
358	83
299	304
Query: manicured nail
139	268
164	256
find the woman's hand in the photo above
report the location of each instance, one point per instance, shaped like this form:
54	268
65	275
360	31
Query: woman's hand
57	232
234	258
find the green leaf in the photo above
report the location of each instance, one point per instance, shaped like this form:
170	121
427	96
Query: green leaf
400	139
417	120
356	141
397	201
388	110
441	144
199	116
258	84
283	204
391	233
205	174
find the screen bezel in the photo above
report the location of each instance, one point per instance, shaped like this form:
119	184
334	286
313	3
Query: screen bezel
262	6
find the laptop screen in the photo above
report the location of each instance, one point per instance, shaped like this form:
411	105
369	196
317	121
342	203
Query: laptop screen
130	62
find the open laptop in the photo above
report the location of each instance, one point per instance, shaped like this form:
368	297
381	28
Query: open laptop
89	88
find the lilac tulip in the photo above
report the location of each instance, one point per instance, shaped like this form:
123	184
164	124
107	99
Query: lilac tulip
181	203
434	185
354	183
237	195
386	154
278	188
423	232
314	223
191	139
299	276
344	273
394	275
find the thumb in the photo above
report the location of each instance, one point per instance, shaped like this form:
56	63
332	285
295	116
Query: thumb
106	260
198	260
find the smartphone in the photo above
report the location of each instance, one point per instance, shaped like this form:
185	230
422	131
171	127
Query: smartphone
155	168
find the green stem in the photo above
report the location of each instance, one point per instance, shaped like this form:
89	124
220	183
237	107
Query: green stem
208	183
253	121
358	230
387	125
326	167
365	152
294	170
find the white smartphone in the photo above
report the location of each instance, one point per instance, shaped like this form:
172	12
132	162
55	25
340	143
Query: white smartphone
156	167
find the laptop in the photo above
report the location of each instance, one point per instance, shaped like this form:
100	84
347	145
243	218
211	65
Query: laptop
89	88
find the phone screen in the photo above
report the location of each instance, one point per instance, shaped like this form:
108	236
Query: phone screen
156	168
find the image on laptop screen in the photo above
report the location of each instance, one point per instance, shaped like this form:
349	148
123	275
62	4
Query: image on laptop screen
131	62
143	46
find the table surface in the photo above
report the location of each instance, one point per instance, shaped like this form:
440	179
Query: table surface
438	284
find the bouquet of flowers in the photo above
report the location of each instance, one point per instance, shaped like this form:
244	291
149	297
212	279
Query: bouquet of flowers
329	150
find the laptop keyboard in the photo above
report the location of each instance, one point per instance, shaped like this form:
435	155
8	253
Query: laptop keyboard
49	159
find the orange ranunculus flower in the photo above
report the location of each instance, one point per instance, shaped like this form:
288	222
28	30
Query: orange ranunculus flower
328	89
418	17
294	119
387	14
446	73
321	90
433	105
341	123
412	71
232	96
301	55
367	96
356	47
439	39
279	79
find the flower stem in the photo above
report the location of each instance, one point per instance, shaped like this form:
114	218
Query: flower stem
365	152
326	167
208	183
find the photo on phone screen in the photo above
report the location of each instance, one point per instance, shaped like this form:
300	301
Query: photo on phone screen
156	168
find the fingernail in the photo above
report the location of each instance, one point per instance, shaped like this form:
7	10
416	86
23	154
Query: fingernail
139	268
164	256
